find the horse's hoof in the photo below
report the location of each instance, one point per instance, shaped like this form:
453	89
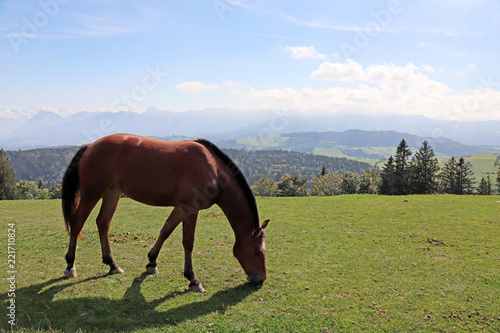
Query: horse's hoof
152	270
71	273
116	270
197	288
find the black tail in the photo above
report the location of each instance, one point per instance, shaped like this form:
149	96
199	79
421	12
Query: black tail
70	188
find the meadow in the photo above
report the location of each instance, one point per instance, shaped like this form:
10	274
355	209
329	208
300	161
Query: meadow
482	165
335	264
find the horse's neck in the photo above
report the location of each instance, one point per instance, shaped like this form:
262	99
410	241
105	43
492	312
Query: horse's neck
237	209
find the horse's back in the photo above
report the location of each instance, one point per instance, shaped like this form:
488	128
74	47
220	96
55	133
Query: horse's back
151	171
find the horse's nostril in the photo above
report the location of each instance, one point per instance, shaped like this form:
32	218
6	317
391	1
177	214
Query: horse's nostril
256	279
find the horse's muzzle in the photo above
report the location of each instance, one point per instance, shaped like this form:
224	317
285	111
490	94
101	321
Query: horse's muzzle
256	279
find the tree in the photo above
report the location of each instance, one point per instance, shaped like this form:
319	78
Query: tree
350	183
423	171
7	178
388	178
323	171
448	177
498	178
265	187
326	185
369	182
55	192
464	180
456	177
402	163
28	190
485	186
292	186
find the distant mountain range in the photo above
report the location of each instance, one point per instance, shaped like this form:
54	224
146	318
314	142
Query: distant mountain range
48	129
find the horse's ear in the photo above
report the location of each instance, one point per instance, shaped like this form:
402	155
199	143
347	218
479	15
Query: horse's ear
257	233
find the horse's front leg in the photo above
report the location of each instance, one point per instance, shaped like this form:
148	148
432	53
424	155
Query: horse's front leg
108	207
188	227
172	222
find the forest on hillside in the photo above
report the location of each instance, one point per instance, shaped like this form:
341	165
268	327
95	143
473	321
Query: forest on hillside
45	164
27	174
49	164
277	163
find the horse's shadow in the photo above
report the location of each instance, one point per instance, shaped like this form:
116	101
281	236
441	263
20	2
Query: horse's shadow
37	309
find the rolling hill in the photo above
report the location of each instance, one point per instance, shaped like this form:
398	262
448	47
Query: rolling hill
358	143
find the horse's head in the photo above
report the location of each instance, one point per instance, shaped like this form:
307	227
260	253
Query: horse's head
251	253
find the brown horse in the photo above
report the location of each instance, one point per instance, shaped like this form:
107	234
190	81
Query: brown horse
188	175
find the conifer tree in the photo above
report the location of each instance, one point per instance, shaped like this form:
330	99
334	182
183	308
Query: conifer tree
403	169
456	177
424	169
448	177
388	178
7	178
323	171
498	179
464	180
485	186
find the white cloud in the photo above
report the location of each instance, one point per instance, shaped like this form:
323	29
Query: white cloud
386	77
380	88
341	72
428	69
376	88
303	52
195	87
231	84
474	104
471	68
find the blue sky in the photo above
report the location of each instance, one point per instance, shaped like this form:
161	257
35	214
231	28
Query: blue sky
435	58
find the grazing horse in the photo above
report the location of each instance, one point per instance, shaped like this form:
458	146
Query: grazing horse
188	175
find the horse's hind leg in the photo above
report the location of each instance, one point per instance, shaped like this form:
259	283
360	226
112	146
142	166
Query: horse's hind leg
172	222
109	203
82	213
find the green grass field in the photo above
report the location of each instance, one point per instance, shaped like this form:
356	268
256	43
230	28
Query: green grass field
483	166
336	264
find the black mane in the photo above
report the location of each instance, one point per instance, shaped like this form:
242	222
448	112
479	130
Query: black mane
233	169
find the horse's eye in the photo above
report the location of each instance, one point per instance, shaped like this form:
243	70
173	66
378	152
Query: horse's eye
257	253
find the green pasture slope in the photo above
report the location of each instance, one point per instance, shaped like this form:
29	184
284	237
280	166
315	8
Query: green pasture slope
336	264
482	165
